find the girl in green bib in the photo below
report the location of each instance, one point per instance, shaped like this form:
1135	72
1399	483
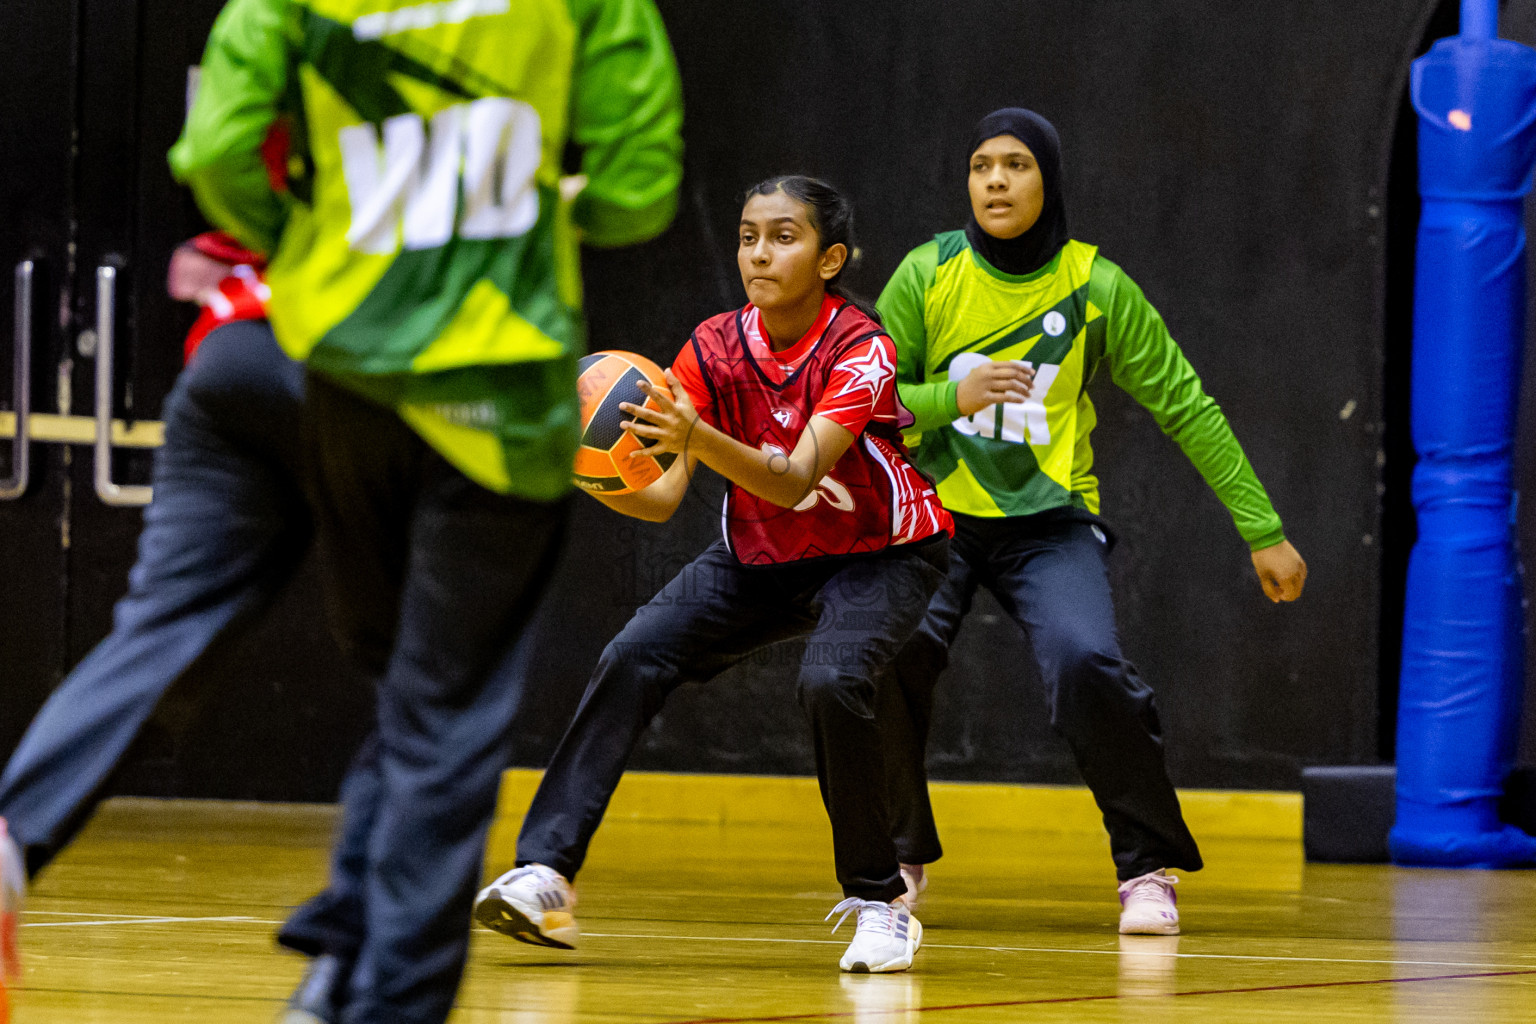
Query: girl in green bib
998	329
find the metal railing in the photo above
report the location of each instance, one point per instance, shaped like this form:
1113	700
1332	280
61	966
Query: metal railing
22	427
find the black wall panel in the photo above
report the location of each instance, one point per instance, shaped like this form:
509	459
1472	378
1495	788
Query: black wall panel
1235	166
34	226
84	129
1234	160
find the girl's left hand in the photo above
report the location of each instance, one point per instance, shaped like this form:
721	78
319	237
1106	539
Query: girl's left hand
669	425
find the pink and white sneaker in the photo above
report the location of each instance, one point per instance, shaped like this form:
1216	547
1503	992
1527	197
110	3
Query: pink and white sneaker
13	891
1148	905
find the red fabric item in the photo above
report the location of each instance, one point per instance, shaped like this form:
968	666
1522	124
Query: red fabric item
853	394
691	376
240	296
274	154
224	248
779	365
873	497
862	386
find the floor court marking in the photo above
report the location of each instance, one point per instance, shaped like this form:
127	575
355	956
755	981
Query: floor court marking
1068	950
1053	950
87	913
140	920
118	994
869	1012
839	1014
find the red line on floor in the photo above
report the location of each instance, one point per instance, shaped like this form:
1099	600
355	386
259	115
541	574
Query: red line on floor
834	1014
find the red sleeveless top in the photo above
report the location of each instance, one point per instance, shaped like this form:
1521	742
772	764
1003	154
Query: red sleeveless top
844	369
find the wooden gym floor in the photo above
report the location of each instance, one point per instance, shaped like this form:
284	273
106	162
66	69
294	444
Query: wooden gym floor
165	912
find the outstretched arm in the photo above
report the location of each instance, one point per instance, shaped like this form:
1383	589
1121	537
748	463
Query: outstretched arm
1146	361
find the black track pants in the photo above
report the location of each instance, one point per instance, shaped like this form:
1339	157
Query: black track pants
857	614
432	579
1053	581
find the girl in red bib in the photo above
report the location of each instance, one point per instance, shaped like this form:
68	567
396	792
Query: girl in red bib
793	400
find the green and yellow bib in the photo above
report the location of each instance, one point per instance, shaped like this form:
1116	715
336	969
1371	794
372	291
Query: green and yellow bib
421	253
949	311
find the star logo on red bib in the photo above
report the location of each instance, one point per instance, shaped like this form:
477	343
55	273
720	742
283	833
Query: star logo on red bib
870	372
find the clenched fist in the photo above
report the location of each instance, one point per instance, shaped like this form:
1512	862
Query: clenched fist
1282	572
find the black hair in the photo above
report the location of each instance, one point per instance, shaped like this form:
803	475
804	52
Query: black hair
831	214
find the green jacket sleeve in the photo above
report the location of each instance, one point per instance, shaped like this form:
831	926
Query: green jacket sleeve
244	75
932	404
627	116
1145	360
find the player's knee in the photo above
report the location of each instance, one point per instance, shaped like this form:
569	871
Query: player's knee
1077	650
825	686
1091	679
626	656
632	669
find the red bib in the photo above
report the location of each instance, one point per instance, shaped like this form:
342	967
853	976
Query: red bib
872	498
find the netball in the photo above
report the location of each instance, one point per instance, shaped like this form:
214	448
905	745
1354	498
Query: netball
603	465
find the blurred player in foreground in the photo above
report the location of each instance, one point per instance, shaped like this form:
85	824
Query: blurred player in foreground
424	267
793	400
226	531
1000	326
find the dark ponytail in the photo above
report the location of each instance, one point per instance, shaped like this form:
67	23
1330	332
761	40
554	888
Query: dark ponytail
831	214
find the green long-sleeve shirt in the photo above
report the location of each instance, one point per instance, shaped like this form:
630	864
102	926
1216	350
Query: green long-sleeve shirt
420	251
949	311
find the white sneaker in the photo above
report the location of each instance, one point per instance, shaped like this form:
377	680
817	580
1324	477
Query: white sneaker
13	892
917	883
886	939
532	904
1148	905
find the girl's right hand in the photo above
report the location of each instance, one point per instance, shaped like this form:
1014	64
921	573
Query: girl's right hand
994	382
1282	571
669	423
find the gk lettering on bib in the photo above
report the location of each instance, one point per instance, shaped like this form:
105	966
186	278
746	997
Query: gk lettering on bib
1019	422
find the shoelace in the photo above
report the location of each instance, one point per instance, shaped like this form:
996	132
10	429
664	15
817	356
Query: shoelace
872	915
1153	888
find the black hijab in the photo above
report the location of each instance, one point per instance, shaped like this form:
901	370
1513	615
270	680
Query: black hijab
1040	244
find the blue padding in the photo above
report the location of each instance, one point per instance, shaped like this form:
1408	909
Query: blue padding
1459	703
